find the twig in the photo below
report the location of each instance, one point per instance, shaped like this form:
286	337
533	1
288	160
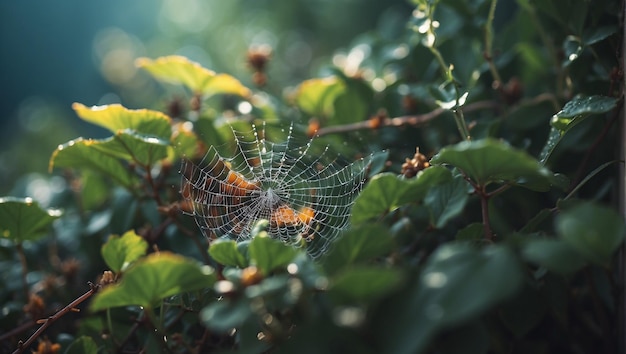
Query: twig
497	80
47	322
412	120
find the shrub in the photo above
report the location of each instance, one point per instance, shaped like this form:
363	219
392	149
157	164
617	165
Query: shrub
448	189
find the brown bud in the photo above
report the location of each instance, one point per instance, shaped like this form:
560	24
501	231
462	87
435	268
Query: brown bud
250	276
47	347
35	307
314	126
258	57
107	278
411	167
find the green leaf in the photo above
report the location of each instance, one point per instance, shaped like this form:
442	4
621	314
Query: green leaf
386	192
154	277
596	35
358	244
317	96
180	70
133	147
82	345
458	282
116	117
119	252
419	186
364	284
79	153
22	219
379	196
553	254
572	48
226	253
224	315
492	161
446	201
472	232
353	104
594	231
268	254
574	112
94	190
184	142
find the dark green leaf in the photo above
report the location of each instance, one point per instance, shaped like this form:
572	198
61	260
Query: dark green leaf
268	254
353	104
226	253
426	179
364	284
224	315
596	35
80	154
116	117
120	252
555	255
446	201
574	112
594	231
523	312
488	161
458	282
472	232
24	220
154	277
378	197
386	192
572	47
82	345
358	244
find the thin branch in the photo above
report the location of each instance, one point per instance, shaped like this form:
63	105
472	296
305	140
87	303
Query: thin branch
50	320
497	80
412	120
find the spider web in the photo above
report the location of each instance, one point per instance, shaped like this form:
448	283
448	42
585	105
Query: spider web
306	196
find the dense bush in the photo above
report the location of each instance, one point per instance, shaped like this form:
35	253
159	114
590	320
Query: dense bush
497	235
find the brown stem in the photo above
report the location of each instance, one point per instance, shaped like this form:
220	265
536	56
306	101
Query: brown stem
70	307
413	120
484	207
24	264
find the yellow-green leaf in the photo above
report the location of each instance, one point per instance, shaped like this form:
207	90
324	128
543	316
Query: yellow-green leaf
119	252
180	70
116	117
317	96
155	277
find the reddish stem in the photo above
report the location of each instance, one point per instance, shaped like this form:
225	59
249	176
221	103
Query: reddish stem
70	307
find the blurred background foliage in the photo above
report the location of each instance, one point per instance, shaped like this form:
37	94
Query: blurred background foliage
54	54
